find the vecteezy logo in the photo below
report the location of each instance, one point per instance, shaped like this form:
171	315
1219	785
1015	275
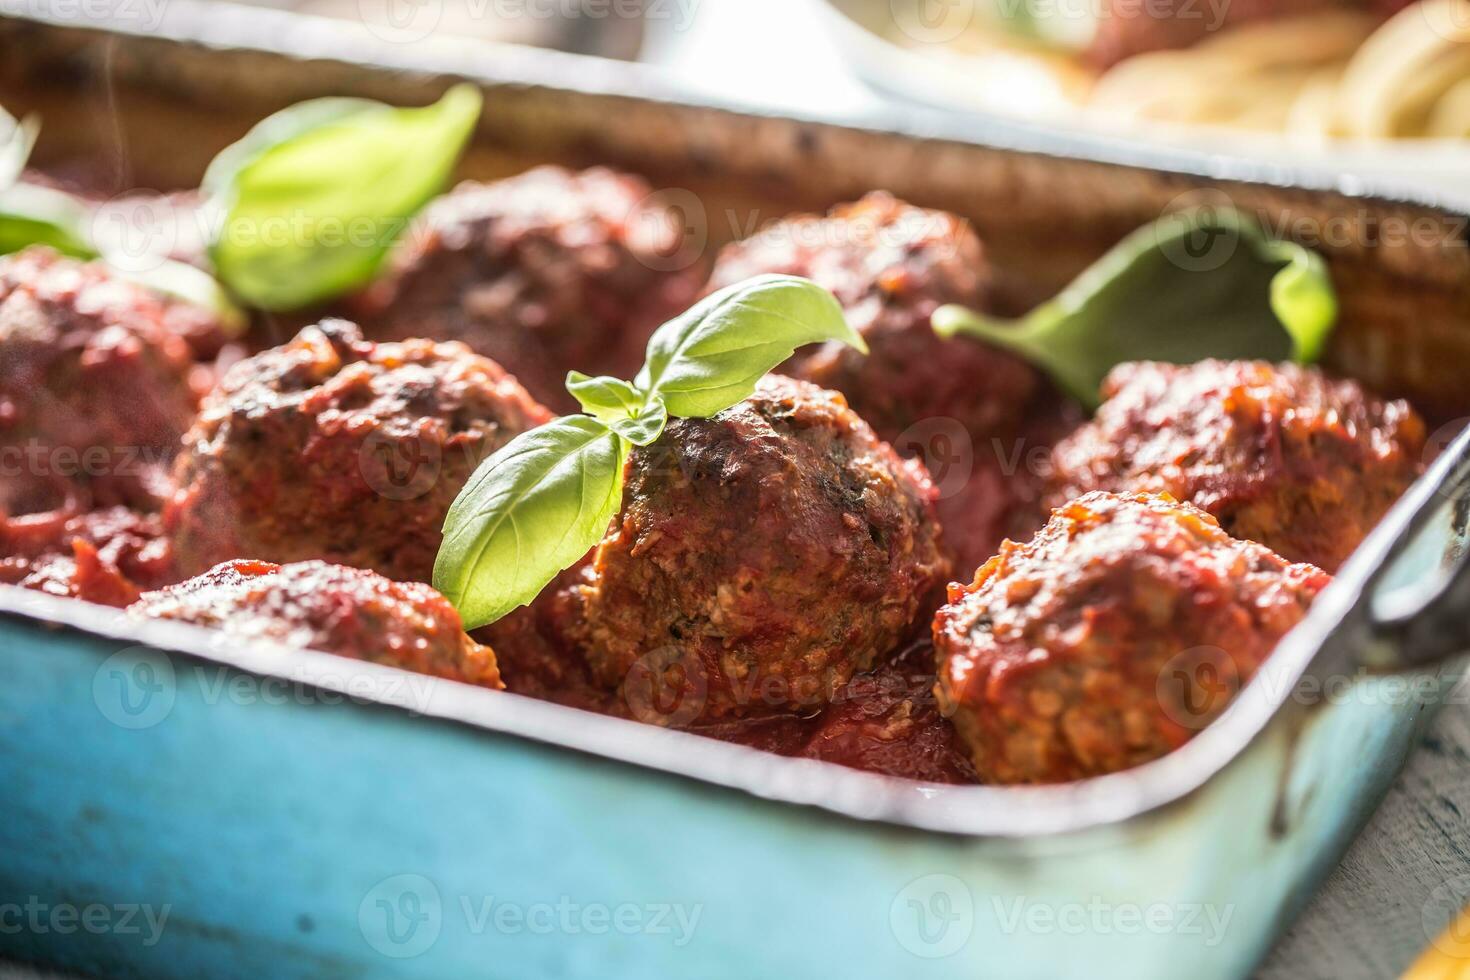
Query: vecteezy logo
669	229
667	687
945	446
1198	232
401	21
401	916
136	232
135	688
1445	924
933	21
1196	685
399	467
933	916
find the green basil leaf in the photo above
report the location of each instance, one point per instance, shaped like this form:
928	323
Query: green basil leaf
278	128
604	397
1196	284
17	139
710	358
643	428
531	509
34	215
619	405
312	216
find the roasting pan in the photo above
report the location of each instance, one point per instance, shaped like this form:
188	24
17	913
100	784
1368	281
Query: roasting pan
264	813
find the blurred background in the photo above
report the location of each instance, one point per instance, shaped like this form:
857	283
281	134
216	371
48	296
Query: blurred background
1374	87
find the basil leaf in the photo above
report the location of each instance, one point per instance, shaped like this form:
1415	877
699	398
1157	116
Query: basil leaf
1195	284
312	215
17	139
35	215
280	127
531	509
604	397
710	358
644	427
620	406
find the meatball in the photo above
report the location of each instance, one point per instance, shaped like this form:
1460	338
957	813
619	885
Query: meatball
1277	453
1110	638
336	448
891	266
762	557
544	272
346	611
94	384
107	556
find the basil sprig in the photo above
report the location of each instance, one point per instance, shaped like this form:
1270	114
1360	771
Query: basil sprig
546	498
1199	283
314	196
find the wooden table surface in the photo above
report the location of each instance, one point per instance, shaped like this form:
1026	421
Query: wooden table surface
1404	877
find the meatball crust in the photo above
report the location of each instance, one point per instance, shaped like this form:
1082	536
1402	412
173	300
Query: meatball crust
1110	638
769	552
94	384
1279	454
544	272
335	448
891	266
332	608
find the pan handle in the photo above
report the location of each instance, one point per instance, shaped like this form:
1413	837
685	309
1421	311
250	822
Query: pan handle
1418	599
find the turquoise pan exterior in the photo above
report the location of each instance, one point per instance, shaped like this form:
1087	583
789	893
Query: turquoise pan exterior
275	829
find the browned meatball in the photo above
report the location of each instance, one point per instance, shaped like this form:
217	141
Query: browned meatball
544	272
767	553
336	448
94	384
1110	638
346	611
891	266
1277	453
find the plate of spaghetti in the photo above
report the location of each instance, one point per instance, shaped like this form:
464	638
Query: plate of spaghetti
1379	87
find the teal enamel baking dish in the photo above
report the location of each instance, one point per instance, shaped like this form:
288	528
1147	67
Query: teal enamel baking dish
176	804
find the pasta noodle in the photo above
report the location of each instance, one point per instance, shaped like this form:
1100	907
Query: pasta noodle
1337	75
1319	77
